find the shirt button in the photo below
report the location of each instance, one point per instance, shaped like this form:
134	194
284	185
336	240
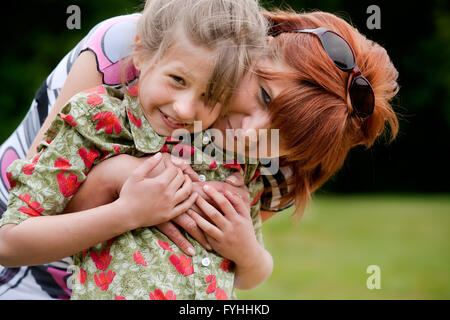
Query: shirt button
206	262
202	177
205	139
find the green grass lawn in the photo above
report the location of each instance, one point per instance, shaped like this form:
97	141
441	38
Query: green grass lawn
325	255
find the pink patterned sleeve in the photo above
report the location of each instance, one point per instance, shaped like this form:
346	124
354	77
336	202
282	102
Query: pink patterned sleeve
111	42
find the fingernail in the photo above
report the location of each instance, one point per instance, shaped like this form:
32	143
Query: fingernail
156	156
191	251
208	247
231	179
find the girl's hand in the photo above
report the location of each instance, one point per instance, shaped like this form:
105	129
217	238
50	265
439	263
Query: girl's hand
152	201
230	230
178	162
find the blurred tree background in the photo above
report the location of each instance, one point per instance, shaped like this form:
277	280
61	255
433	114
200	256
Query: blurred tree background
381	208
415	34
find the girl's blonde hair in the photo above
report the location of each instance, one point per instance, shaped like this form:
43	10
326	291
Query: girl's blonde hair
234	29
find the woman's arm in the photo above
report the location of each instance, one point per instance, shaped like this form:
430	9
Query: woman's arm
44	239
83	75
255	271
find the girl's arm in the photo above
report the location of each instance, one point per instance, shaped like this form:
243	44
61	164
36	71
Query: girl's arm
82	76
230	229
43	239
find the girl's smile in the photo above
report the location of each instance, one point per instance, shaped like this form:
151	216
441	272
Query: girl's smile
171	122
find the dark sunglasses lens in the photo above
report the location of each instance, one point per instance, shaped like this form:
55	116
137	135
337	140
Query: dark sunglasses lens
338	50
362	97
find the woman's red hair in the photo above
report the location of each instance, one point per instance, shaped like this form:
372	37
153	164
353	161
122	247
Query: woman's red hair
315	117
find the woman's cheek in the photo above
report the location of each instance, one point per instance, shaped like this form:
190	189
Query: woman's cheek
208	116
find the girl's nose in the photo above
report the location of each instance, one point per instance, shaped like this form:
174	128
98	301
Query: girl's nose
185	109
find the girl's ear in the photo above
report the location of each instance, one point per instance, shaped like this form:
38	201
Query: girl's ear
137	61
138	56
137	53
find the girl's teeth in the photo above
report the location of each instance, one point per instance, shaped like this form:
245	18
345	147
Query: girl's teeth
174	122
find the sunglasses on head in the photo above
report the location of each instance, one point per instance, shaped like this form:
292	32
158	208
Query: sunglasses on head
341	53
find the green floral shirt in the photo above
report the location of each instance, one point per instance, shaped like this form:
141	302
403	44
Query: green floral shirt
141	264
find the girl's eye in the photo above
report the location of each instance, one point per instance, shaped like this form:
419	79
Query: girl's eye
178	79
265	96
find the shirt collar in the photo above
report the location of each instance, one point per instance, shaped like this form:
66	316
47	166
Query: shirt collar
145	138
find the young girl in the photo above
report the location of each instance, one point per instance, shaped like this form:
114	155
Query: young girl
184	74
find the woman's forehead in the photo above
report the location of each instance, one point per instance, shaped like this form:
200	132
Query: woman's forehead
272	66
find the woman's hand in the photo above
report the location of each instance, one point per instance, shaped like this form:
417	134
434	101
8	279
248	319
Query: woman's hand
234	184
231	234
230	228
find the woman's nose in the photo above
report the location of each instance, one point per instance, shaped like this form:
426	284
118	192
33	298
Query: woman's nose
253	123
